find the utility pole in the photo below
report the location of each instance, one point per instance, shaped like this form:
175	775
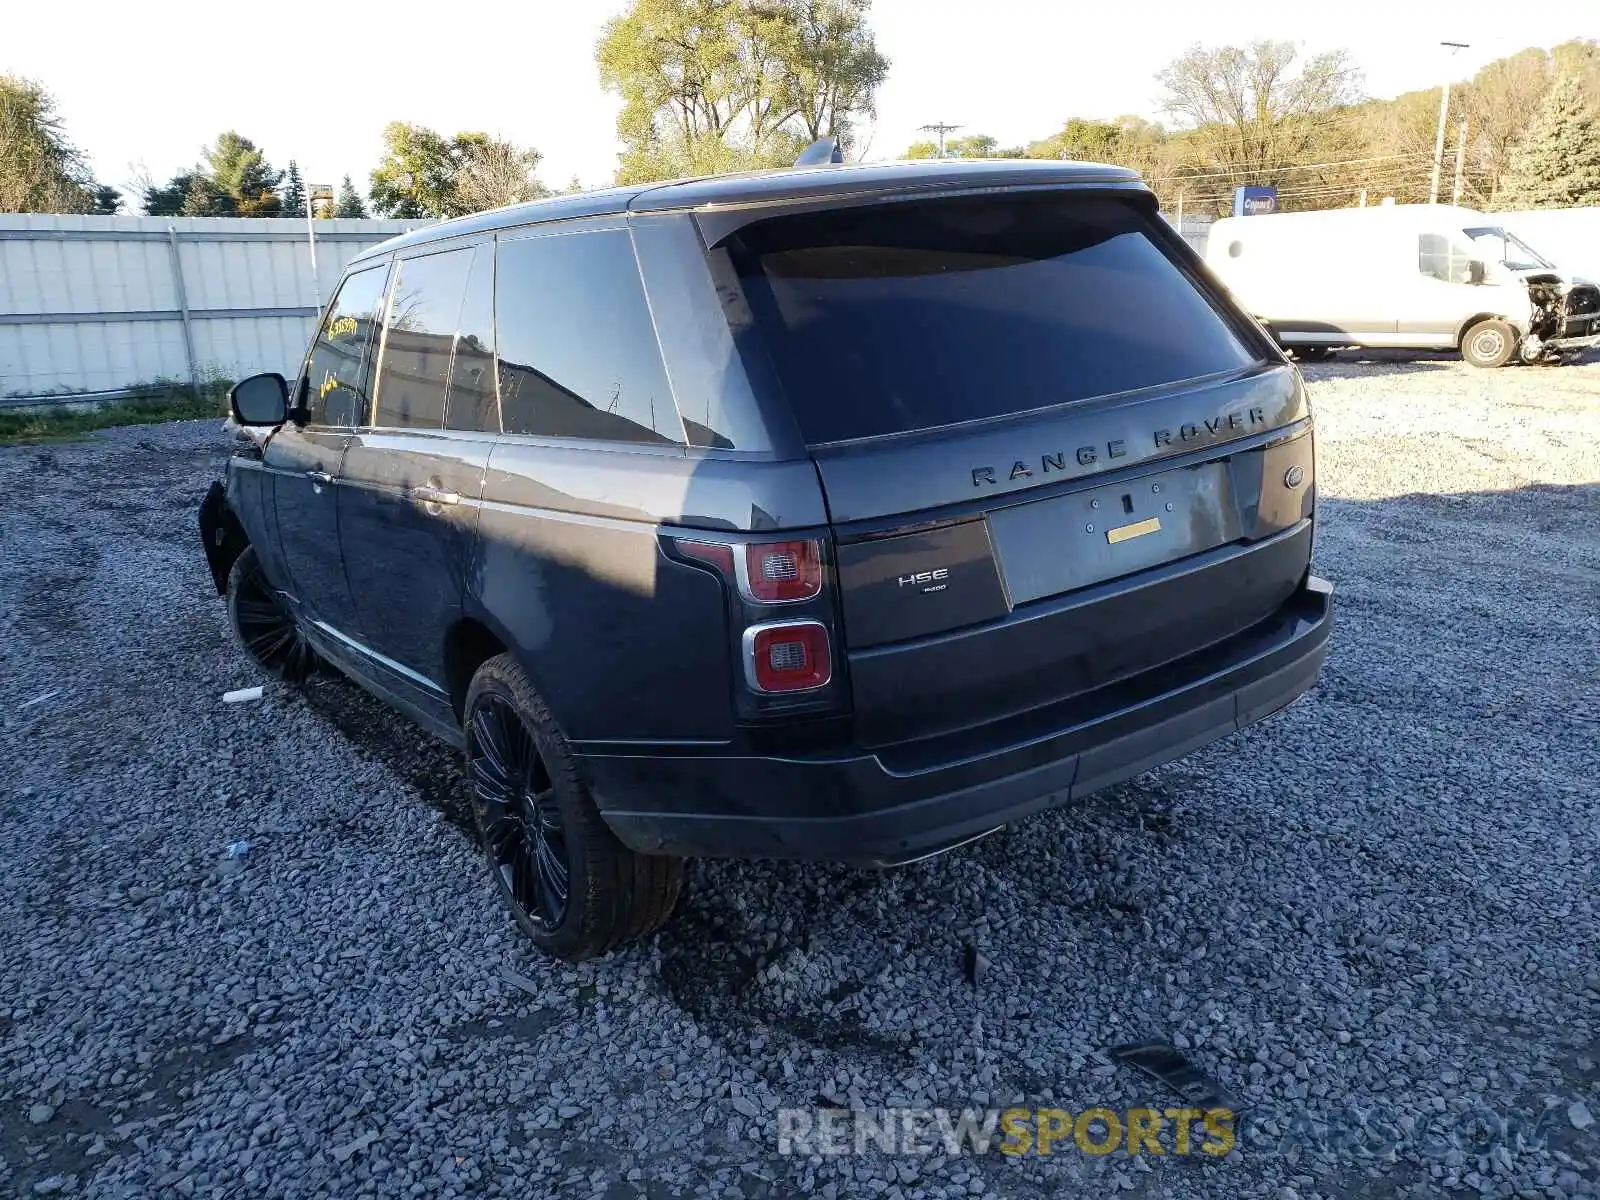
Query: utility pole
1461	161
941	129
1444	115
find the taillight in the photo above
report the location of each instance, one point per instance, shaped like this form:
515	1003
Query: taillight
788	656
780	572
788	665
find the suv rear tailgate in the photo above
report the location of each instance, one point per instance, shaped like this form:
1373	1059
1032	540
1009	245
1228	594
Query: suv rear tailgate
1053	455
990	607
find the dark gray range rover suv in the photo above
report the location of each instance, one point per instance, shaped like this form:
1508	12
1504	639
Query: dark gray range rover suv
837	513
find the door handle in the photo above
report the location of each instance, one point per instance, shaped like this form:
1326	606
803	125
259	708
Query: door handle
428	494
321	477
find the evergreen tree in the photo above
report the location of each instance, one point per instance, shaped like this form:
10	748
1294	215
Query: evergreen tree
205	200
294	191
239	172
104	199
1557	165
349	204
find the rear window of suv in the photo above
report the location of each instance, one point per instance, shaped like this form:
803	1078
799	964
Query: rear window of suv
885	319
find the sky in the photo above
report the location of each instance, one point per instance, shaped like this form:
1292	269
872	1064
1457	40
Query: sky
150	84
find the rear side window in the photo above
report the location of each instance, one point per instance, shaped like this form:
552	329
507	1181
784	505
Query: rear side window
890	318
472	403
336	373
1438	257
577	349
418	337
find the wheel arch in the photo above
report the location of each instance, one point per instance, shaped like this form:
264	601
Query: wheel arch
468	644
222	535
1464	326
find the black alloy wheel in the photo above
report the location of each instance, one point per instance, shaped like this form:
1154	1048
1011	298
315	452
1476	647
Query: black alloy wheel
518	818
263	624
571	886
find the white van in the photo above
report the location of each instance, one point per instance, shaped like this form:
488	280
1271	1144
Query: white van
1413	276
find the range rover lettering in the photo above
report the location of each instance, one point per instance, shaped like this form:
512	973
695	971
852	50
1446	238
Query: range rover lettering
836	513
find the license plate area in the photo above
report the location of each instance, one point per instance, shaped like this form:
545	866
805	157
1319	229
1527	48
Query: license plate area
1087	537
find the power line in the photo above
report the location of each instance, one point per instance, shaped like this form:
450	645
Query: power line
1410	155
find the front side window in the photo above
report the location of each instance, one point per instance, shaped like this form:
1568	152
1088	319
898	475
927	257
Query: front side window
335	376
577	349
418	337
884	319
1442	258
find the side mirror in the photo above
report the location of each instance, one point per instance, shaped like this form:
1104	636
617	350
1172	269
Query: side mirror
260	400
1476	271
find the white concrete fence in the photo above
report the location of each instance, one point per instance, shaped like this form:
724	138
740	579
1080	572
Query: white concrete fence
94	305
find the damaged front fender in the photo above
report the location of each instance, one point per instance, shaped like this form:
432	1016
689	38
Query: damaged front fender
221	534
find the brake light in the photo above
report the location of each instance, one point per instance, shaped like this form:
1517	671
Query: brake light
781	572
718	554
792	656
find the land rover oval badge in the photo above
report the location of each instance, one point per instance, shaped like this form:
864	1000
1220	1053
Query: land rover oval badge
1293	476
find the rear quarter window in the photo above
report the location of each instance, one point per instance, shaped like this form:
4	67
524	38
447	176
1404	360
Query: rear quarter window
891	318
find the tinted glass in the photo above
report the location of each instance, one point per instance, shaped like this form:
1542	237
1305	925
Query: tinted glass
884	319
337	394
578	354
472	398
424	306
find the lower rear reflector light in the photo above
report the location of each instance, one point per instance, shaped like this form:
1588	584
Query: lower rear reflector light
792	656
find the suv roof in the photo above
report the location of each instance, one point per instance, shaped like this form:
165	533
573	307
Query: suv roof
760	187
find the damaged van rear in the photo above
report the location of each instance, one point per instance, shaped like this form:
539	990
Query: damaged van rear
841	513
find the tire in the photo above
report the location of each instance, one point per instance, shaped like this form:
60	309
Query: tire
1490	343
572	887
265	628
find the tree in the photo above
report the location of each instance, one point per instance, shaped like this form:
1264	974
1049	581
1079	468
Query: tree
294	191
1557	165
104	200
1499	104
494	173
167	200
240	180
415	176
834	67
716	85
1253	113
204	199
424	174
40	169
349	202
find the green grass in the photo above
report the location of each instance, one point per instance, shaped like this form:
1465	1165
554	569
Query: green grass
179	402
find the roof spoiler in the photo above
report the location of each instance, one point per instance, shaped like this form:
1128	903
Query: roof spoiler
823	150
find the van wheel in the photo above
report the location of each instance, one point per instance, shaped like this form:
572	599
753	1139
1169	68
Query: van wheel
264	626
1490	343
572	887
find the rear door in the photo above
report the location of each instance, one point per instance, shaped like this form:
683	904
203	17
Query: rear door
1045	444
408	504
306	460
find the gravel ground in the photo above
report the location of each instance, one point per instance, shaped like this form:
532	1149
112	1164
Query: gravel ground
1381	901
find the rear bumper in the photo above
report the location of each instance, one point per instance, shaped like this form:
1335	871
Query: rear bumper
885	806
